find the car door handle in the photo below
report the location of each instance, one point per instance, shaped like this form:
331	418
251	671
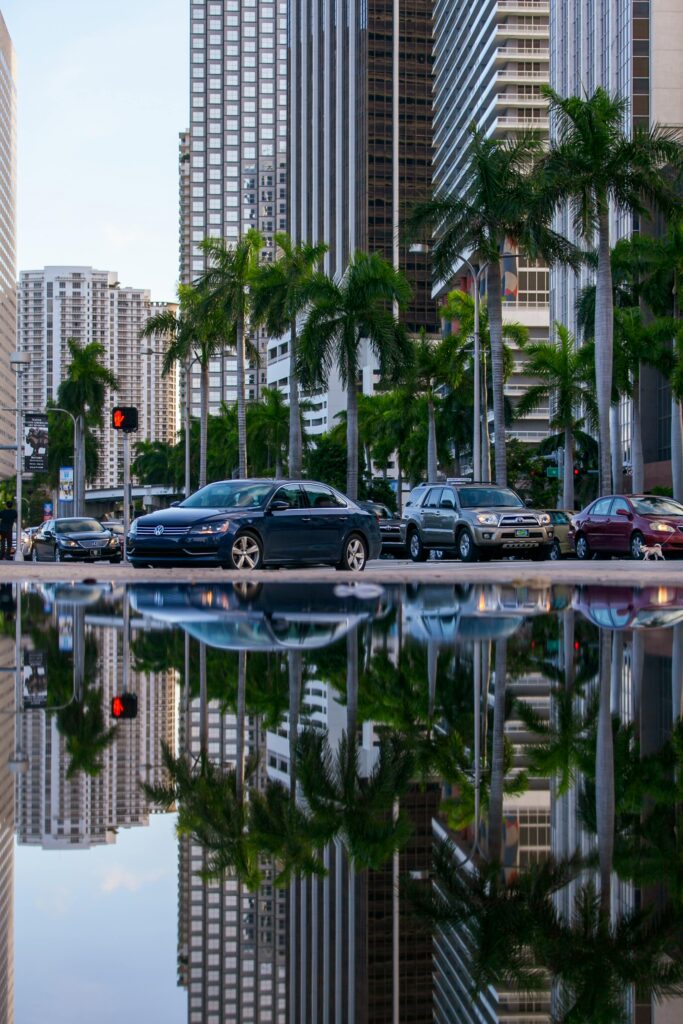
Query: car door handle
306	519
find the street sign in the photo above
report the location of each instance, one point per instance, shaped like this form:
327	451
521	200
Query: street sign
35	442
552	471
66	483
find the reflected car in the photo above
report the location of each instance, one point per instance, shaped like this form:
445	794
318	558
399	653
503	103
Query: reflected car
389	527
622	524
248	524
272	617
630	607
561	523
76	539
446	615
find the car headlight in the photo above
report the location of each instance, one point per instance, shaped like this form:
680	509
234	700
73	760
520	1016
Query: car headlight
488	519
663	528
67	543
113	542
210	529
544	519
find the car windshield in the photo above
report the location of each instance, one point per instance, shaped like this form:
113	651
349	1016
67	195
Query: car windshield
79	526
489	497
656	506
229	494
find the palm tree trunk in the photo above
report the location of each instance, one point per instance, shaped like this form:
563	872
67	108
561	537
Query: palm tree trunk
294	664
456	459
604	776
431	442
399	483
485	436
79	471
351	438
616	453
203	703
604	315
568	484
278	467
637	467
495	310
495	828
241	400
294	408
203	422
352	683
677	448
187	417
241	722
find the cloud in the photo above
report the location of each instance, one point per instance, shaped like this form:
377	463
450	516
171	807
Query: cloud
120	878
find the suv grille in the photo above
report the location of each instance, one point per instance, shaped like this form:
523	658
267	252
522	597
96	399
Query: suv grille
524	519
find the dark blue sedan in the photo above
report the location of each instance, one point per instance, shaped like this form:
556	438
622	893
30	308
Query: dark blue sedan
247	524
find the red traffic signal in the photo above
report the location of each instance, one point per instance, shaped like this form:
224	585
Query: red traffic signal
124	417
125	705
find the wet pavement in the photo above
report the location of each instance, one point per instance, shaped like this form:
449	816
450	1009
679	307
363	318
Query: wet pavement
336	798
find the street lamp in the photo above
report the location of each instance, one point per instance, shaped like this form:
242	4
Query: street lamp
20	362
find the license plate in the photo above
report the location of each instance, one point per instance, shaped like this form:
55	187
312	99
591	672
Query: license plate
521	533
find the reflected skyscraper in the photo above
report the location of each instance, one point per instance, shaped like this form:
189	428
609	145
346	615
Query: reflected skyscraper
8	269
7	748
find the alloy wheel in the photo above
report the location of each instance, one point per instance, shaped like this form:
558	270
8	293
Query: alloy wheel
355	554
246	552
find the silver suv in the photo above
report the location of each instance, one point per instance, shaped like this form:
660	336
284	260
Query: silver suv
474	522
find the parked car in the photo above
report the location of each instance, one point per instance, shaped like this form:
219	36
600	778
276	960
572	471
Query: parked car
621	524
389	527
75	540
27	535
246	524
561	522
474	521
115	526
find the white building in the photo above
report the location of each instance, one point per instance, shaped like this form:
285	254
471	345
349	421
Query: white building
490	59
8	270
58	303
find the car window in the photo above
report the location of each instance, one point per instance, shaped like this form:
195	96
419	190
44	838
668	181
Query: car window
433	498
561	518
229	494
653	505
293	495
601	507
619	503
79	526
415	496
320	496
489	497
448	494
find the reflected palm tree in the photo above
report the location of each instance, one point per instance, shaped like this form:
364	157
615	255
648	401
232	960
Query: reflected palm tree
86	737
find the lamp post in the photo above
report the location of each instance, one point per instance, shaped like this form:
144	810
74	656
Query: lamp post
20	362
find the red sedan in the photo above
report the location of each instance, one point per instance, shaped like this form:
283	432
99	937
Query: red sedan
622	524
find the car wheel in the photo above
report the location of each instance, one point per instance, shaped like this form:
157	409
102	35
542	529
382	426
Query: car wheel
555	552
468	551
246	552
636	545
416	548
583	549
34	555
355	554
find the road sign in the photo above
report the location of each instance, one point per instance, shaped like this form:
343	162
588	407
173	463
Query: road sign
552	471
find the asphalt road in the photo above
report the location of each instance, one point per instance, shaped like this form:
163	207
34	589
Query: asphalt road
612	572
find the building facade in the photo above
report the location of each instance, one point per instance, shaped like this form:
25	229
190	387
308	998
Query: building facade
8	269
360	82
490	60
633	49
59	303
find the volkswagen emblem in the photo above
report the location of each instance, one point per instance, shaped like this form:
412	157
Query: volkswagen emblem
158	530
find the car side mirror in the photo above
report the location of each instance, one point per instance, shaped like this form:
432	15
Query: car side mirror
623	512
279	506
174	504
447	503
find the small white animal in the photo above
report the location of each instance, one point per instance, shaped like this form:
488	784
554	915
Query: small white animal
652	552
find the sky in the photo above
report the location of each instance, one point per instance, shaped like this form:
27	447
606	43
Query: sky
102	94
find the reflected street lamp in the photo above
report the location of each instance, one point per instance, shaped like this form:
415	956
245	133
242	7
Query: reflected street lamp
20	362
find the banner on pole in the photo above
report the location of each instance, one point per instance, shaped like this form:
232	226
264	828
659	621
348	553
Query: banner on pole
66	483
35	442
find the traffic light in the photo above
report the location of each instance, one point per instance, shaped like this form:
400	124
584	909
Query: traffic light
125	705
124	417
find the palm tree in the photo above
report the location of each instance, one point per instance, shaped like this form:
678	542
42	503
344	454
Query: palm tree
226	286
280	294
196	335
595	163
157	462
501	204
562	371
82	393
343	314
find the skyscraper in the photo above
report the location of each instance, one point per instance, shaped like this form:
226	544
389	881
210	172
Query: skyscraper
8	269
361	150
59	303
634	50
237	145
490	59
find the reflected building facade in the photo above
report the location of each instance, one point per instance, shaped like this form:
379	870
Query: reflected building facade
7	750
8	231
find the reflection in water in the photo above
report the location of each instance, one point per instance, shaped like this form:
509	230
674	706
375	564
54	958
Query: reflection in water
439	803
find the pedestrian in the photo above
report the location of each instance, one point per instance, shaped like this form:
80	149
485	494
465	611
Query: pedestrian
8	517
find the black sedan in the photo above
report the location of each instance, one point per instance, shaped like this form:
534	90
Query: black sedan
74	540
246	524
389	527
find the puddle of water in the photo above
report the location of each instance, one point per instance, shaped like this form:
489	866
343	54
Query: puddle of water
351	803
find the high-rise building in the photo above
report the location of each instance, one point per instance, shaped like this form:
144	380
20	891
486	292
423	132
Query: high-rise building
237	147
8	269
490	60
361	151
634	50
59	303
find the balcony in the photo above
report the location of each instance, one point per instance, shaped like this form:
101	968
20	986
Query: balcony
524	6
514	122
521	75
517	53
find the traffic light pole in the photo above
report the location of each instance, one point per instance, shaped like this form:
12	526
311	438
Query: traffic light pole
126	491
